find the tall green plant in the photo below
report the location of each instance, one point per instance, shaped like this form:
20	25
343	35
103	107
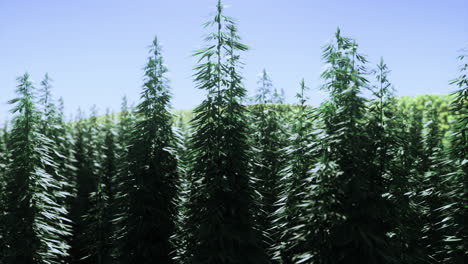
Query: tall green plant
457	211
268	141
98	232
433	195
52	126
220	217
122	180
295	177
346	208
36	222
153	171
179	239
64	141
87	161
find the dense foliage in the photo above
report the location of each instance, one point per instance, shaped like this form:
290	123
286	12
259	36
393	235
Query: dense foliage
357	179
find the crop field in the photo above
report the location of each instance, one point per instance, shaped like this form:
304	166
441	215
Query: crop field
365	176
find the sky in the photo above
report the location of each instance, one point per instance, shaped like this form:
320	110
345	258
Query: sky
95	50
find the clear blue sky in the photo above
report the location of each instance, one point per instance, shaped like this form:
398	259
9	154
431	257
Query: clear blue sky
95	49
